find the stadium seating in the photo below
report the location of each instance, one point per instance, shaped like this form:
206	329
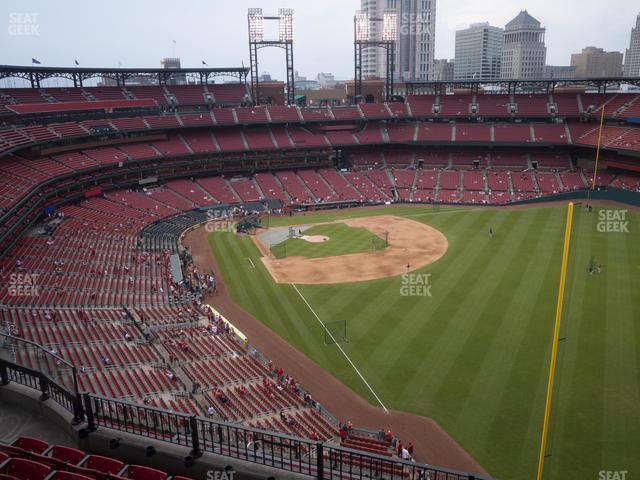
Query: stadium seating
472	133
434	132
58	462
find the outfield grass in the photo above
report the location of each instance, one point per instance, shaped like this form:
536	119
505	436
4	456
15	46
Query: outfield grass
475	355
342	241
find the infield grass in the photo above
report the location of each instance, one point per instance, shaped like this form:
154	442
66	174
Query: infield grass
475	355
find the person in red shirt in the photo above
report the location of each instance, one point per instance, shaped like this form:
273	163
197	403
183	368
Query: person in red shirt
410	449
389	436
399	447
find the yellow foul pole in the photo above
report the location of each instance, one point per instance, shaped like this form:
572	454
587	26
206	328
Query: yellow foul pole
556	336
595	172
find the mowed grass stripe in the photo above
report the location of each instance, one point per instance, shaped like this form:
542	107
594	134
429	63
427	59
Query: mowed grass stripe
485	308
491	382
512	435
452	306
512	397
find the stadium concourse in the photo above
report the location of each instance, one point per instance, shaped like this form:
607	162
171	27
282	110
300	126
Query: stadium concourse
97	185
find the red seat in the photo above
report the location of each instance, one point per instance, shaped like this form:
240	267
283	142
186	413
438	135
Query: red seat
7	477
69	476
67	454
103	464
181	478
3	457
139	472
34	445
26	469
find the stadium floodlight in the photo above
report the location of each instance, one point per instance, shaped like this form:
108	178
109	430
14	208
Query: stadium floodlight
363	27
256	25
389	27
286	24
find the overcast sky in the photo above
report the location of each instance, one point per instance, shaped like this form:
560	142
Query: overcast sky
139	33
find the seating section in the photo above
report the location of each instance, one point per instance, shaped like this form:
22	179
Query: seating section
58	462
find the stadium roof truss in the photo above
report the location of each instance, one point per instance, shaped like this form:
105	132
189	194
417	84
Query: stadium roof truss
162	76
547	85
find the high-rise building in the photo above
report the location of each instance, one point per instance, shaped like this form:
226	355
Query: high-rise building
632	57
595	62
478	52
524	53
415	45
442	70
564	72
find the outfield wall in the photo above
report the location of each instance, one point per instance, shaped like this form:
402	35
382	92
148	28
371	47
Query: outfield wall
612	193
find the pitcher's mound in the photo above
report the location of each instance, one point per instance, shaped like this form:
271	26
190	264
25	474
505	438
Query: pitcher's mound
314	238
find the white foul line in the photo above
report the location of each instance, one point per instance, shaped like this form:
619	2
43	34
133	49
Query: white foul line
343	352
251	261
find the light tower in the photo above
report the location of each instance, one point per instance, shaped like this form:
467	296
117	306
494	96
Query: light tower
257	41
362	39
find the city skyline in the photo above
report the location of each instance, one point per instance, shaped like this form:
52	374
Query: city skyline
108	37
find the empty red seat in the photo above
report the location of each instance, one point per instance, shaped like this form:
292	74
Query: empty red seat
103	464
67	454
69	476
34	445
139	472
26	469
7	477
3	457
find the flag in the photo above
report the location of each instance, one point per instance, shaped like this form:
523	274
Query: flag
76	62
35	61
203	62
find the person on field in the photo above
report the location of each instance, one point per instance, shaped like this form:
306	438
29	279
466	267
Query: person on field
490	232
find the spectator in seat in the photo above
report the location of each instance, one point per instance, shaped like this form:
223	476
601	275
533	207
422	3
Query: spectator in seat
410	449
389	436
405	454
343	433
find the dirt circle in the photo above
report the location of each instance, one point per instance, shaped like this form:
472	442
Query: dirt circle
314	238
411	245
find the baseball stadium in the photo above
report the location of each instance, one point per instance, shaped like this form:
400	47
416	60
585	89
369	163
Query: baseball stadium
202	276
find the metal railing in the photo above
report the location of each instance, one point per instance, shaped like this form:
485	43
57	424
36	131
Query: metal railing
323	461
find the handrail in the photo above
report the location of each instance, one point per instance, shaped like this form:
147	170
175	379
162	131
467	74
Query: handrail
277	450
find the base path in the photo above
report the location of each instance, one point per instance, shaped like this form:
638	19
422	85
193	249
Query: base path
410	243
432	444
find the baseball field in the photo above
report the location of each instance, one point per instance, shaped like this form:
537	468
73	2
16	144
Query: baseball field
466	339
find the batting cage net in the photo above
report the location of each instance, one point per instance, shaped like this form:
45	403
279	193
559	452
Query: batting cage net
335	332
